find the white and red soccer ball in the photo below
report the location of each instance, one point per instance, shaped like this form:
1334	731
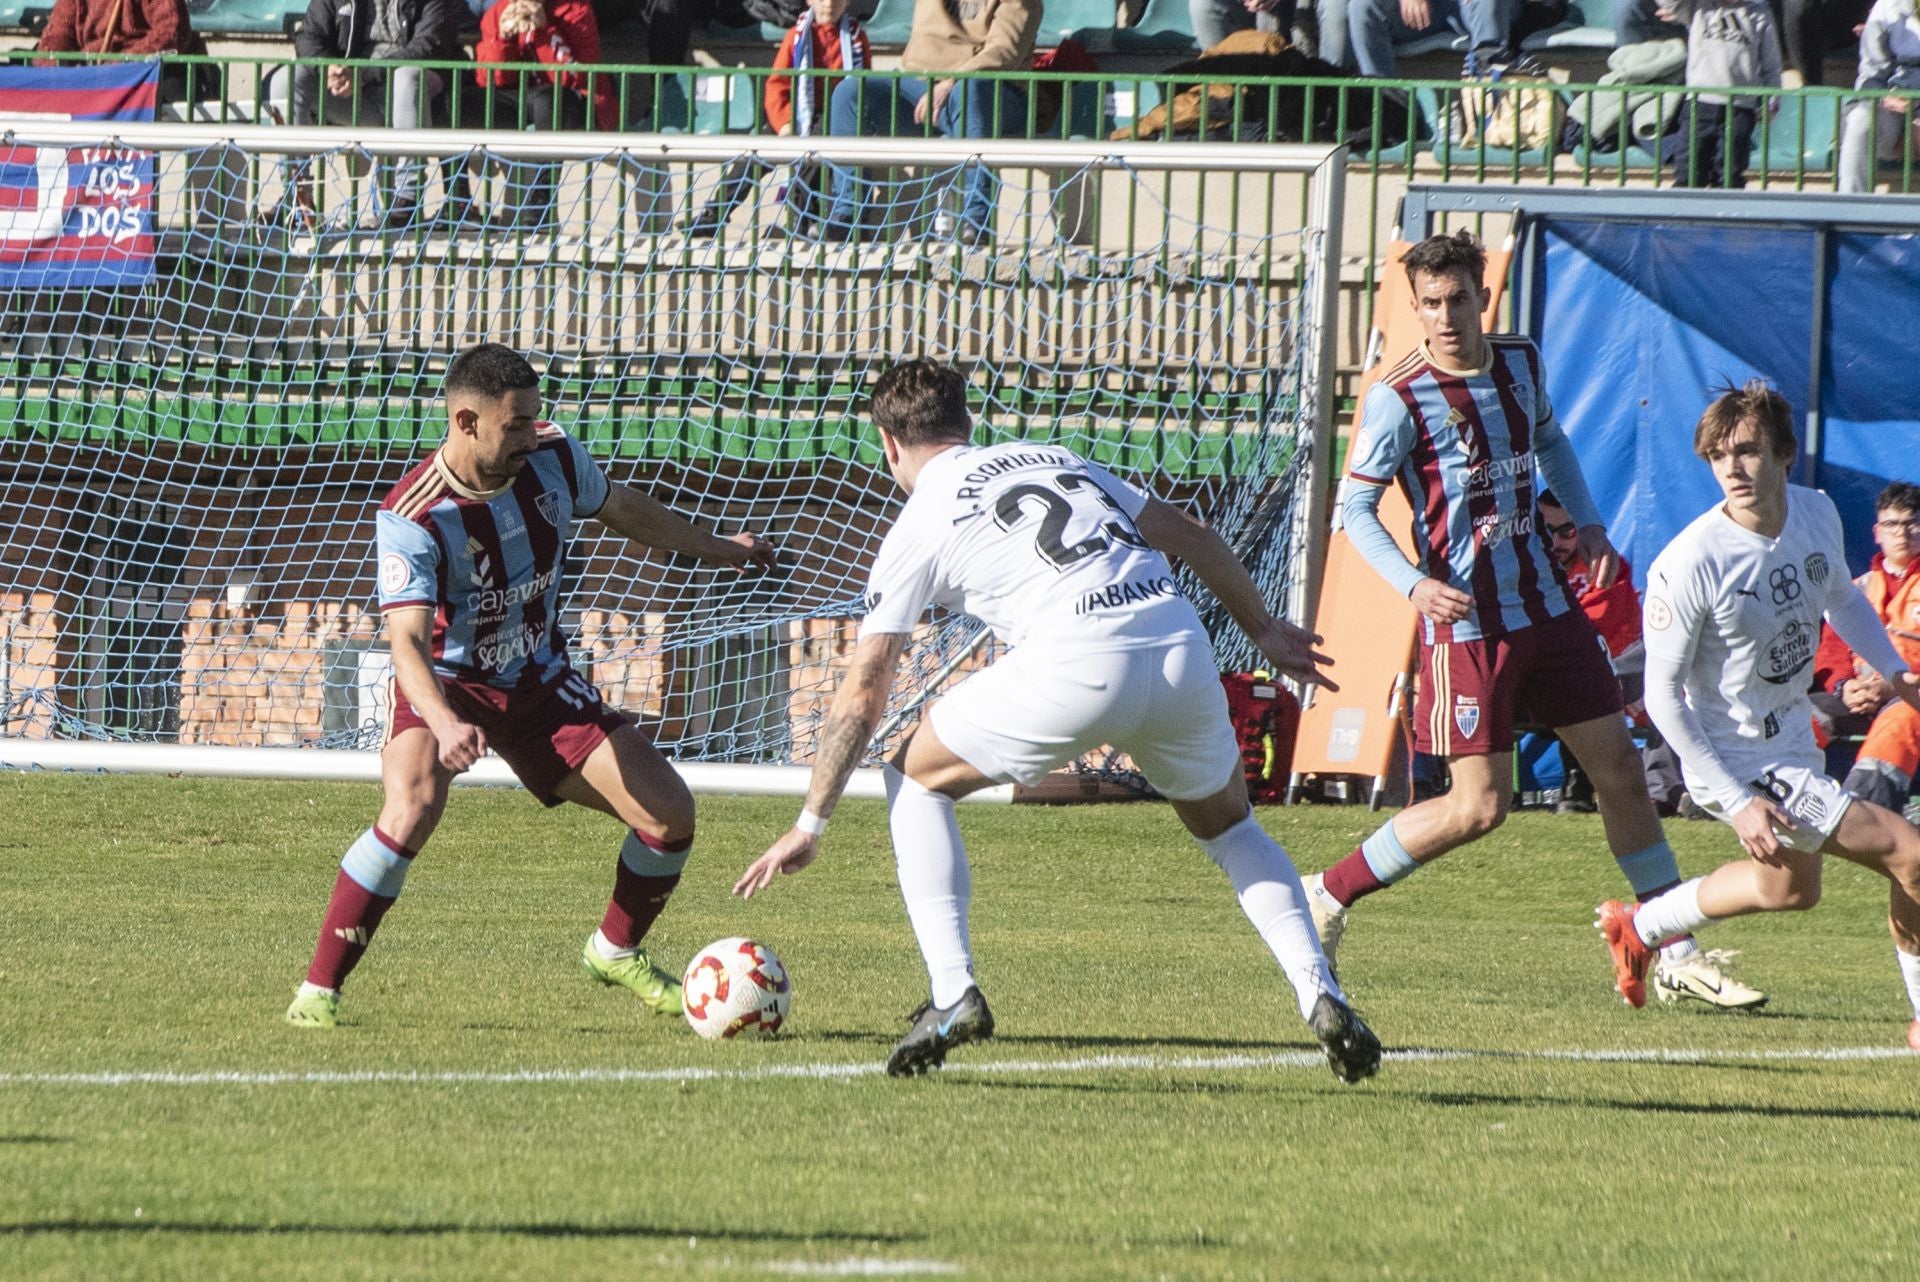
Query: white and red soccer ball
736	987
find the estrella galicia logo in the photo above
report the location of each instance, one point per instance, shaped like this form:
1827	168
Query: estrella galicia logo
1784	656
1784	582
1817	569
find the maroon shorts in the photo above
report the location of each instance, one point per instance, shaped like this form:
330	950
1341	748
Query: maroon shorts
1552	674
543	732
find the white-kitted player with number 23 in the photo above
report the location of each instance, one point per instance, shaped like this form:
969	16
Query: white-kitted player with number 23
1068	565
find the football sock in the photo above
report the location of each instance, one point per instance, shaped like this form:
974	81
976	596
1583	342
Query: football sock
1671	915
643	879
935	882
1653	872
1273	899
1910	971
371	874
1378	862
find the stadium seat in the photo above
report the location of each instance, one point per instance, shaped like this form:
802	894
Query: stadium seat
1063	18
1800	137
1163	25
725	102
890	23
1588	25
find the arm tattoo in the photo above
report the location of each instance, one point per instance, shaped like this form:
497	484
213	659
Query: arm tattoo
857	708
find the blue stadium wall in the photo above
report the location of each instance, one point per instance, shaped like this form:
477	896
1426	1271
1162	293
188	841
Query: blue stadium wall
1638	321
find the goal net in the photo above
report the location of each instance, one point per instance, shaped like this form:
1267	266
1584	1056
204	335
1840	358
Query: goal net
194	447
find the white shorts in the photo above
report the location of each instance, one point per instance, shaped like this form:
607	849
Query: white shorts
1814	801
1037	709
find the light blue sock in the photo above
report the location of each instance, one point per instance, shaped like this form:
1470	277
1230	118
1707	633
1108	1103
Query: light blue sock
1386	857
1651	870
377	867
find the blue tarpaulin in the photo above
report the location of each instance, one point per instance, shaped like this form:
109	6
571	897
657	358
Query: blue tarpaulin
1640	323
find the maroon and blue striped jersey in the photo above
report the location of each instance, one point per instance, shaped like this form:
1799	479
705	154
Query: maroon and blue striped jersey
489	565
1465	446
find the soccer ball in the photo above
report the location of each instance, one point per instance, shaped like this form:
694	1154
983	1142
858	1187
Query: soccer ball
735	986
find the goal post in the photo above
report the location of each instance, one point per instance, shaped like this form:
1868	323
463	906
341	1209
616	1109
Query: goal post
191	463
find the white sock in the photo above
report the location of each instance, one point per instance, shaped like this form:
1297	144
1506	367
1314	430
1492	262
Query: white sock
935	882
1275	902
606	950
1910	971
1675	913
1680	949
306	988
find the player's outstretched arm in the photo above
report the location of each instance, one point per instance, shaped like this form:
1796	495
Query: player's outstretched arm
644	519
410	636
1170	531
857	708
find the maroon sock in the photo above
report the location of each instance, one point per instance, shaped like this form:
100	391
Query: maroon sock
353	914
1350	879
638	899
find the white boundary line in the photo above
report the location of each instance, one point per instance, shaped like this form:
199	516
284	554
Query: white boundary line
841	1072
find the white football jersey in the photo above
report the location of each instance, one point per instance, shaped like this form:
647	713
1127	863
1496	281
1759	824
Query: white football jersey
1738	615
1033	541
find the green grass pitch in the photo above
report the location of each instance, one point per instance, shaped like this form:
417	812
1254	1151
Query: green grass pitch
1149	1110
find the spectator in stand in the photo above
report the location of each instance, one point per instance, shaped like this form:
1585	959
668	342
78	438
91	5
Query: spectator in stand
405	97
947	40
1638	22
559	35
130	26
826	35
1882	128
1374	27
1614	612
1809	28
1215	20
1890	755
1729	42
663	30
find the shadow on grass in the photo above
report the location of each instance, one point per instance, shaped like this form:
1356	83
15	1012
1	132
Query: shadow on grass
1159	1087
556	1229
35	1139
1470	1099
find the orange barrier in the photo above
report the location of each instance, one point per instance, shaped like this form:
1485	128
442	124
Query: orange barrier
1367	627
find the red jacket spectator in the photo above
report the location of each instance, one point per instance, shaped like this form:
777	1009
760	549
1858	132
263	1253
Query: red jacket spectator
1614	612
1896	599
569	34
826	53
119	26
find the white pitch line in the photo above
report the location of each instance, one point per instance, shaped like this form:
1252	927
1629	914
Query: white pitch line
839	1072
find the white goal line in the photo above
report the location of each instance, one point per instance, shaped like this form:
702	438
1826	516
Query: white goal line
844	1071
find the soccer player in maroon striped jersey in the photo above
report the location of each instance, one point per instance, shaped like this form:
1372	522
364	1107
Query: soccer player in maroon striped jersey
1463	424
472	547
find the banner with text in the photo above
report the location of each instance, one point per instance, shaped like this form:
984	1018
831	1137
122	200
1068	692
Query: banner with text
82	216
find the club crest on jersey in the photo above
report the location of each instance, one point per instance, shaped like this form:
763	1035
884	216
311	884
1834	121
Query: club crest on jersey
1817	568
1809	809
548	506
1466	715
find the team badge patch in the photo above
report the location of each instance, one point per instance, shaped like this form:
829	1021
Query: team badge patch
393	573
1659	613
1809	809
548	505
1817	568
1466	715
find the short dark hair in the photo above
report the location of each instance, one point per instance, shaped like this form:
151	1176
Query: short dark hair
1897	496
1756	402
490	370
1545	499
922	401
1460	252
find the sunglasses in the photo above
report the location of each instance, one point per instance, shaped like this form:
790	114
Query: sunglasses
1566	531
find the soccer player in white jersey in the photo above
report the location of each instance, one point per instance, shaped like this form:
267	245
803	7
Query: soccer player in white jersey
472	555
1068	565
1733	615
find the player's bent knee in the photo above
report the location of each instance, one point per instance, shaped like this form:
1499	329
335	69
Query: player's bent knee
1476	816
1791	894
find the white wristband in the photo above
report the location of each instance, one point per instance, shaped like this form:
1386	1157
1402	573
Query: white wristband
811	824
